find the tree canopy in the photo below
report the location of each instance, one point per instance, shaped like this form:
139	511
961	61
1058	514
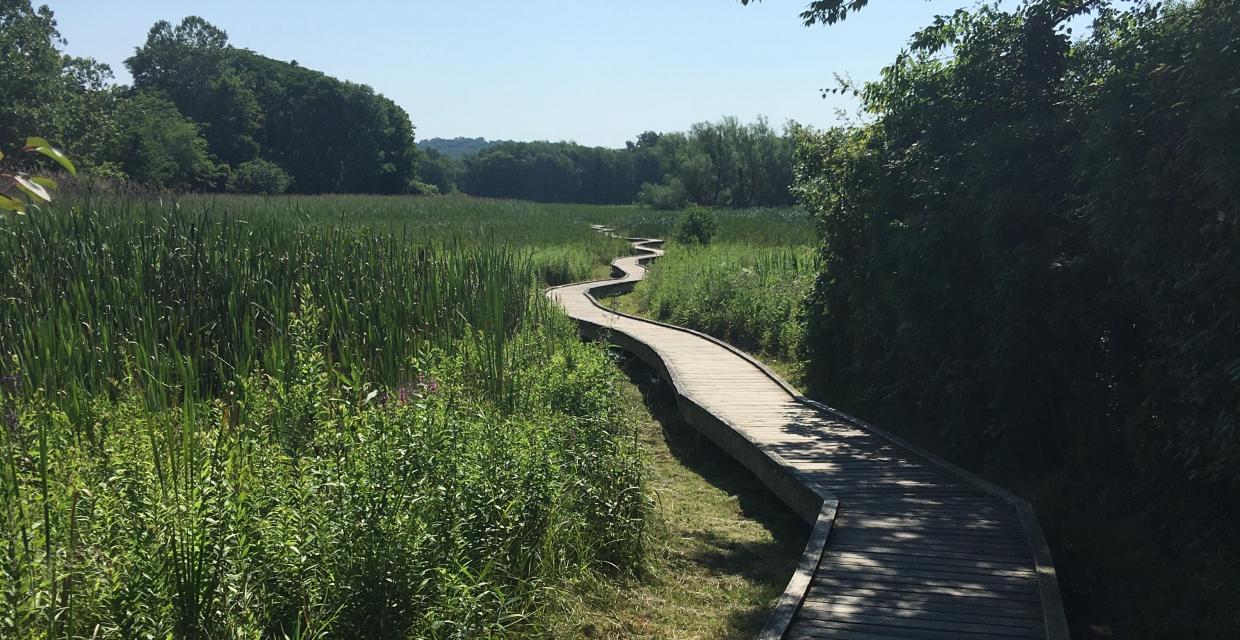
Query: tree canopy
1030	257
724	164
199	110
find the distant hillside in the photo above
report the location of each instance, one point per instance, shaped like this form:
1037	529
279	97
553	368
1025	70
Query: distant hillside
457	148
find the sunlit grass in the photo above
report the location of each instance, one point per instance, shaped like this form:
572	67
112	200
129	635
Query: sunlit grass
304	418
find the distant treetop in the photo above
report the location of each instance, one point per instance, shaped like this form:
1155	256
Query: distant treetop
459	147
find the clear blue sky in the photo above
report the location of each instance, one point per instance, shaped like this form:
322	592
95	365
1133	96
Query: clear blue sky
595	71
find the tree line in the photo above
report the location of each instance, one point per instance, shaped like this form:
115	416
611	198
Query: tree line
724	164
201	114
1032	251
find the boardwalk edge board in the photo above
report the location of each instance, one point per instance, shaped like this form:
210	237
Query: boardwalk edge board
813	503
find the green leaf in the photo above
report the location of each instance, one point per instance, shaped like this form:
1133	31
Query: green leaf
12	204
44	147
32	189
44	182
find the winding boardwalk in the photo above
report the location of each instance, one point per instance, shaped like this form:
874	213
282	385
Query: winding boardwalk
904	545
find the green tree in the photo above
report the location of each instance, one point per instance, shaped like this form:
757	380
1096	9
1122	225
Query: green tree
159	146
1029	256
259	176
190	64
439	169
30	66
63	97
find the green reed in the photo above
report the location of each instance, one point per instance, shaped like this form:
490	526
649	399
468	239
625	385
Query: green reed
302	418
748	295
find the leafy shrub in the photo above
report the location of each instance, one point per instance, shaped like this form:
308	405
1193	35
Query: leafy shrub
419	188
161	148
259	176
696	226
669	196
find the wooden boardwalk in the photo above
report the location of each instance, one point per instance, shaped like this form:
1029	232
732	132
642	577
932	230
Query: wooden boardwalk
904	545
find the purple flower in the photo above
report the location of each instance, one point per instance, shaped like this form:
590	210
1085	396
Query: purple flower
11	384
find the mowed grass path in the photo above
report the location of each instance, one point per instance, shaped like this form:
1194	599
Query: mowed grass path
722	549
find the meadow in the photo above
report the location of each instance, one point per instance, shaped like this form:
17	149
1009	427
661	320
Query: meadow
303	417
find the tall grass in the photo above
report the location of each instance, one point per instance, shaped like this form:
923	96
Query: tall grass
749	296
773	227
242	417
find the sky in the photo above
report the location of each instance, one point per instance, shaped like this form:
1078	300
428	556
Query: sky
598	72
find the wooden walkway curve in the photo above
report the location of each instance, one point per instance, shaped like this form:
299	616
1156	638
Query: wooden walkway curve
904	545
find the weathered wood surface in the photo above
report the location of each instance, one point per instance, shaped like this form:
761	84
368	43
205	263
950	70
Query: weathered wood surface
904	544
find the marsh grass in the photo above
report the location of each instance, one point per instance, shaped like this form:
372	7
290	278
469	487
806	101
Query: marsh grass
241	417
750	296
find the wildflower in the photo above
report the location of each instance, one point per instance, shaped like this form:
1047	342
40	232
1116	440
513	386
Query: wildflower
11	384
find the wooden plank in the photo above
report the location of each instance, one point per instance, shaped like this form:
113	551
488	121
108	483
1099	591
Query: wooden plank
979	579
960	564
887	618
928	605
912	584
956	632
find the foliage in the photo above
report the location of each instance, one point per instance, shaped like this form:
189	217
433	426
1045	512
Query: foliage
330	136
333	136
728	164
234	416
754	227
439	169
724	164
31	188
697	225
1030	254
826	11
259	176
64	98
749	296
159	147
664	197
549	172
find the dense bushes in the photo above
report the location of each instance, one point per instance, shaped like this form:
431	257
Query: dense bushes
697	225
669	196
1031	253
259	176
